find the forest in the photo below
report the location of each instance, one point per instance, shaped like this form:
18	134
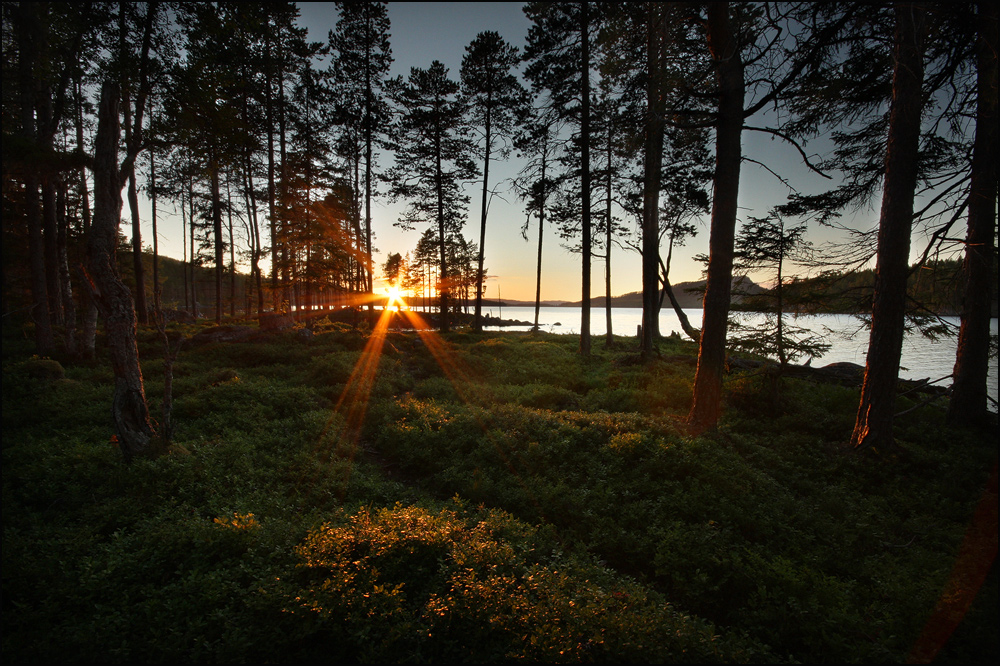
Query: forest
258	451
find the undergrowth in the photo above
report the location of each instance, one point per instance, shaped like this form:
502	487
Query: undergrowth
498	499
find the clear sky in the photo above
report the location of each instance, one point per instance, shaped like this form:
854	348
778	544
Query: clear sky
422	32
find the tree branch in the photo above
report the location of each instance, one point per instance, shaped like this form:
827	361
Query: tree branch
793	142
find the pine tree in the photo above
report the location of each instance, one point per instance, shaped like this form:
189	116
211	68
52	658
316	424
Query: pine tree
873	426
728	60
738	34
968	400
535	184
362	58
905	102
767	244
134	111
559	54
50	41
433	160
497	103
129	408
201	120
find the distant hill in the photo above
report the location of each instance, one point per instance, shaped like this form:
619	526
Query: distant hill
937	287
688	294
513	303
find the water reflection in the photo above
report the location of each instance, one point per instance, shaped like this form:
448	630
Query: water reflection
922	357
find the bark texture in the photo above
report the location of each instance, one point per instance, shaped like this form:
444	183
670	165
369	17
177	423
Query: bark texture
873	426
707	404
585	342
129	409
651	182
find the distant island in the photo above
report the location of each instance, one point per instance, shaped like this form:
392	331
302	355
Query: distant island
935	287
688	294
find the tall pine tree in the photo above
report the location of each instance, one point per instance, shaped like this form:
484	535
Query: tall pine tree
433	160
497	103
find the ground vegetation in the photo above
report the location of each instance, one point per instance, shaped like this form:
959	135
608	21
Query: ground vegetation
341	494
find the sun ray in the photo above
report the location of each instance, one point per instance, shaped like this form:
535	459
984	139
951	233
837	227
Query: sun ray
458	375
344	426
461	379
352	405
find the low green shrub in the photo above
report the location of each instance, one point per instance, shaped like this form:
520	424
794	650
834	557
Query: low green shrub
286	498
409	584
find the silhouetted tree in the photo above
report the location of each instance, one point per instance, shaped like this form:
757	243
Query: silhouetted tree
777	64
134	111
129	410
559	55
767	244
873	426
968	399
433	159
537	142
728	61
362	58
497	102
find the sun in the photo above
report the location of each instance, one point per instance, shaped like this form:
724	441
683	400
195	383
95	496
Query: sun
396	300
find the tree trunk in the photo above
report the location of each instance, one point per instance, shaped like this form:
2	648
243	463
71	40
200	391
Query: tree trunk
779	309
129	409
65	284
232	250
585	173
287	254
157	305
45	131
651	184
141	309
184	246
217	232
369	130
668	291
194	262
444	288
968	397
51	229
132	138
271	188
541	228
88	328
255	244
608	332
29	27
480	277
707	405
873	426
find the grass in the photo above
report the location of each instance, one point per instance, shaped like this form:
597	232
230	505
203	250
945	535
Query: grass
497	498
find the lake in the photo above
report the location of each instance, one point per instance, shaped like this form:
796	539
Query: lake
922	358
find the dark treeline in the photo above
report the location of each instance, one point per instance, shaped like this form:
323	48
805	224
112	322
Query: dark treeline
271	147
933	288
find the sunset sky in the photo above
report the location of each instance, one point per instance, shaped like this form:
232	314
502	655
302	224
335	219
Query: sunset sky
428	31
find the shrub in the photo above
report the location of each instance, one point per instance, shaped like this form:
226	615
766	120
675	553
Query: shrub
408	584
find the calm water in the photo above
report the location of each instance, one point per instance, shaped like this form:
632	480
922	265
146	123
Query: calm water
922	358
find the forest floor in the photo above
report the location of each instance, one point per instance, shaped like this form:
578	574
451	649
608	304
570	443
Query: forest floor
399	496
